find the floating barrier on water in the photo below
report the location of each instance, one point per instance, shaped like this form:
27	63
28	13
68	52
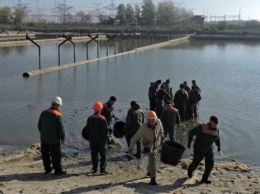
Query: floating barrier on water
57	68
61	67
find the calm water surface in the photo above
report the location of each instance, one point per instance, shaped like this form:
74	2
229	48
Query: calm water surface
227	72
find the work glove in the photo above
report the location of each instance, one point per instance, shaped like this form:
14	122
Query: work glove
220	152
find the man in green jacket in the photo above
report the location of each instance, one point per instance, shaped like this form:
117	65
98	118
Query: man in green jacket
206	135
98	133
51	128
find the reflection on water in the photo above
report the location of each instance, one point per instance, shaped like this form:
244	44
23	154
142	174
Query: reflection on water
227	73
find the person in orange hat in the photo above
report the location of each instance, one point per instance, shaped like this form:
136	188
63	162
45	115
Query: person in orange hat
99	137
151	134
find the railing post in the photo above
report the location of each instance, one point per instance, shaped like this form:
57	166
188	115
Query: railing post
20	32
93	39
67	38
111	38
28	38
5	32
140	35
126	37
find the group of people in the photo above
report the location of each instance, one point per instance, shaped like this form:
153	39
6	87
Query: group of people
185	99
164	113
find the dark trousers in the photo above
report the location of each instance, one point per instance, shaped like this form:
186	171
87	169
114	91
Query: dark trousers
193	111
171	131
182	111
209	162
138	144
159	105
97	150
152	104
51	153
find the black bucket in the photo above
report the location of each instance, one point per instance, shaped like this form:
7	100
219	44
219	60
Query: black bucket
171	152
118	131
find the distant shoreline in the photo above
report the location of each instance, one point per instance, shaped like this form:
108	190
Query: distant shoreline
225	37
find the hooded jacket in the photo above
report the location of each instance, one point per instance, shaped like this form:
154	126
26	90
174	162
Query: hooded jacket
134	119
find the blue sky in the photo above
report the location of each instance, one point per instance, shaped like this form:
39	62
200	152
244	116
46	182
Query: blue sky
249	9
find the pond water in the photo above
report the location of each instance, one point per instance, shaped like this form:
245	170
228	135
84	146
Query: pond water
227	72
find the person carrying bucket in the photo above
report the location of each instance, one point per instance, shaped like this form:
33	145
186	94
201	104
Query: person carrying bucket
134	119
99	137
151	135
206	135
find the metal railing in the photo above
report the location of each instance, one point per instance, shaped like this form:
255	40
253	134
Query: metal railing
67	38
93	39
39	49
4	32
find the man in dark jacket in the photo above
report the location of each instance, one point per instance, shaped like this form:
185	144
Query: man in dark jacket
107	110
186	87
161	95
194	83
152	93
180	101
194	99
206	134
134	119
51	128
169	117
168	88
98	133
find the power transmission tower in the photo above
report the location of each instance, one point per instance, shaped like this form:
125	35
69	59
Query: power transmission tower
112	9
22	7
63	11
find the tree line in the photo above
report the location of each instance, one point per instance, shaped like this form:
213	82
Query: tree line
166	13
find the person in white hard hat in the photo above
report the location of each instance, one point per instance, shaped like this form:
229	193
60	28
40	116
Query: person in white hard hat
52	134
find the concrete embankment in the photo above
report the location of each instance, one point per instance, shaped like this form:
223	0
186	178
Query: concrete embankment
225	37
57	68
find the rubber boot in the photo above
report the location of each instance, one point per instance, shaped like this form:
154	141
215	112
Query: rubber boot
153	181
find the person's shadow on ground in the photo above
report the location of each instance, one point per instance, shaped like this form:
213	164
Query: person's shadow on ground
34	177
139	187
